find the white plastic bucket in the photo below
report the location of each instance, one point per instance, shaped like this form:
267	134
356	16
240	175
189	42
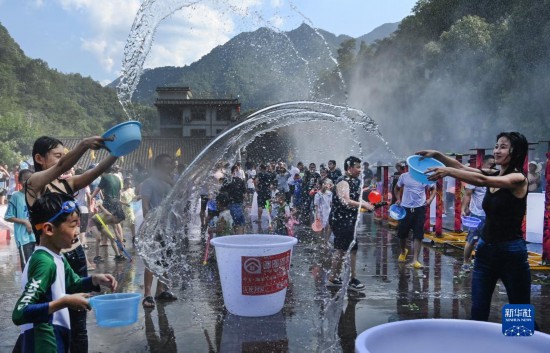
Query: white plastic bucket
448	336
254	272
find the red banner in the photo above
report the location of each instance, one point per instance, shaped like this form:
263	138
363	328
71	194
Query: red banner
263	275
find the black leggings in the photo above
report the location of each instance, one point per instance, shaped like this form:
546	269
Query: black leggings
79	334
25	252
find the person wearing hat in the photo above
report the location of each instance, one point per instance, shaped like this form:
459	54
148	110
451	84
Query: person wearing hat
533	177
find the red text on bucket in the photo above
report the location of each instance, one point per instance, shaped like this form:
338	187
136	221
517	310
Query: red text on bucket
263	275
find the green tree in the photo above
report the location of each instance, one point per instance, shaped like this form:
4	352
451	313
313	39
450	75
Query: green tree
346	55
16	138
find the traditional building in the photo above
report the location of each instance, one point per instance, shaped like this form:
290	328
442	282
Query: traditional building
182	116
187	125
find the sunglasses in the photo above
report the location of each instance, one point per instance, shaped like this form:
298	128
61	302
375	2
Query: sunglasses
66	207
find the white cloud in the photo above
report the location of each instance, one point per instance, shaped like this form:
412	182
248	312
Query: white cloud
109	23
38	3
277	21
276	3
106	52
182	39
188	35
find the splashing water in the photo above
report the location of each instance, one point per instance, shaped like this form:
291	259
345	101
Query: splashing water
153	12
138	45
168	231
175	221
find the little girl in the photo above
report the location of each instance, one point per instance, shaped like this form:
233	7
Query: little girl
323	203
127	195
282	215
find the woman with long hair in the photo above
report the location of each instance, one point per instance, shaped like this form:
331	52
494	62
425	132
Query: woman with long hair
501	252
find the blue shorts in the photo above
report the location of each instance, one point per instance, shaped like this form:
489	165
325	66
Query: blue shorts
475	233
236	210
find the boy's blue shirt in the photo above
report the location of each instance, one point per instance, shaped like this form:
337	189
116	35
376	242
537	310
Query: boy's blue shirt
17	208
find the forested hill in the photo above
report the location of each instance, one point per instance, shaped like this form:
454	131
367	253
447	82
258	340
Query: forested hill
36	100
262	67
454	74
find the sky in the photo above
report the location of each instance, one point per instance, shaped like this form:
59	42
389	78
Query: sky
88	36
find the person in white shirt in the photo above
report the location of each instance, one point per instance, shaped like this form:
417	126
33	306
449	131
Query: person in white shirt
323	202
411	195
472	206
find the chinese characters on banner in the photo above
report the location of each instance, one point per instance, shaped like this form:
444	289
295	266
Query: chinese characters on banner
265	274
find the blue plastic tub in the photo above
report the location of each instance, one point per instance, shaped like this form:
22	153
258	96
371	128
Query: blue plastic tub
470	222
113	310
397	212
126	138
417	167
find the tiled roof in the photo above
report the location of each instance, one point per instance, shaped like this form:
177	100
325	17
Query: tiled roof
190	148
188	102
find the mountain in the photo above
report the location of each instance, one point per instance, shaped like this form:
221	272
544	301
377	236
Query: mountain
454	74
262	67
36	100
379	32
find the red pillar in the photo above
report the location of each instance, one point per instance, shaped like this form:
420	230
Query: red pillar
479	157
546	227
458	199
378	211
524	221
385	181
427	221
472	161
439	208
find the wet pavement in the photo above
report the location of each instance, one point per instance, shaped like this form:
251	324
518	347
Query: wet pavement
198	322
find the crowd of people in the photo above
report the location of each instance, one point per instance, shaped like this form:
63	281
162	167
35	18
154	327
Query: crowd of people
57	203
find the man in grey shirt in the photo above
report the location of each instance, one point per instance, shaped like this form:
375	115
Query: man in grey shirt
153	190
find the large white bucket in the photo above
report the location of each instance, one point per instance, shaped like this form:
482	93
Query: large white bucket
535	217
254	272
448	336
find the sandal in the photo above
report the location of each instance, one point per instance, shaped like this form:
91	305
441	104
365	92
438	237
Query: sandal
166	296
148	303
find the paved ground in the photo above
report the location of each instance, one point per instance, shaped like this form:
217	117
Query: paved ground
198	322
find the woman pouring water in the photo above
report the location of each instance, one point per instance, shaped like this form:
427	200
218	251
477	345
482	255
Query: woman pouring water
501	252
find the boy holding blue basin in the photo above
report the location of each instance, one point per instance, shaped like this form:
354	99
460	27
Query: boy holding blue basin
42	309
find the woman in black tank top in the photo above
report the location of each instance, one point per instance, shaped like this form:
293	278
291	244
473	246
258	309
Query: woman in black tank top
501	252
50	162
